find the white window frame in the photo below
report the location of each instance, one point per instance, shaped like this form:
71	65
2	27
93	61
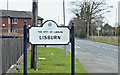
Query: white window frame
13	21
15	31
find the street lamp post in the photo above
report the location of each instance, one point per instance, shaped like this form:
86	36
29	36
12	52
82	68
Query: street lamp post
98	23
88	20
7	4
98	32
64	23
34	23
88	29
116	26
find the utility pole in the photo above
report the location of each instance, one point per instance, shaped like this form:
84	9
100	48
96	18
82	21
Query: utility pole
88	19
98	32
88	28
98	23
116	25
34	23
58	20
118	31
7	4
64	24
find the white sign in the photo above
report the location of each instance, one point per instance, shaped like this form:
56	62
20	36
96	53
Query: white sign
49	34
98	28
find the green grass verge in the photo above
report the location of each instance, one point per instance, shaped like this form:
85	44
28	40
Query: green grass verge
55	62
108	42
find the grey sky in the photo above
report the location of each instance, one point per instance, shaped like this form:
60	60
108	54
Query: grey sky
53	10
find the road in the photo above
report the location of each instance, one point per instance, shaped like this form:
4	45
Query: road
96	57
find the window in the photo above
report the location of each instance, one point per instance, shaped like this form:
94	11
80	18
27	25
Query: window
14	21
15	31
39	22
8	30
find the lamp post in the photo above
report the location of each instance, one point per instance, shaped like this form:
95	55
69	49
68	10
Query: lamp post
7	4
34	23
98	23
88	19
116	25
64	24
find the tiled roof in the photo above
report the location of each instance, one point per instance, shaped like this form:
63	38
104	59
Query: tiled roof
16	14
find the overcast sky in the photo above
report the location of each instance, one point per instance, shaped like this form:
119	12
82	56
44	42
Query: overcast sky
53	9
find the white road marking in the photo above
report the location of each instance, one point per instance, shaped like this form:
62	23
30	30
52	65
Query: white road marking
115	49
89	43
98	46
105	48
77	46
83	49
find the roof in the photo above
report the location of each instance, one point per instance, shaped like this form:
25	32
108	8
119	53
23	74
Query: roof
16	14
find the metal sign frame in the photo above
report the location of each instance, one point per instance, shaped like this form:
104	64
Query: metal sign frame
72	40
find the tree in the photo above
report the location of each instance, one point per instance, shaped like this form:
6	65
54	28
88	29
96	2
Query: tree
87	12
108	30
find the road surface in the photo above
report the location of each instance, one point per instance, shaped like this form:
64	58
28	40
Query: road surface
96	57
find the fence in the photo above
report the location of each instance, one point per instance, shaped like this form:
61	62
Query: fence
105	38
14	30
11	49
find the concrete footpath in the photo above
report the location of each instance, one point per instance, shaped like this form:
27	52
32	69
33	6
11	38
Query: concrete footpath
0	56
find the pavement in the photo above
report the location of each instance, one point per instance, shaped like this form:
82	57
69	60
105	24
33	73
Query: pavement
96	57
0	56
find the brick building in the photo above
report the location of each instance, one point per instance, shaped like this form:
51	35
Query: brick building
12	21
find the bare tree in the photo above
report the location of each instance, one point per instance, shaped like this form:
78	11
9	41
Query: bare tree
88	12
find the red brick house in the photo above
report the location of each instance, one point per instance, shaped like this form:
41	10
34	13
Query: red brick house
13	21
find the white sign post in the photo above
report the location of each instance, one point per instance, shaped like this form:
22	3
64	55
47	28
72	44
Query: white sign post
98	28
49	34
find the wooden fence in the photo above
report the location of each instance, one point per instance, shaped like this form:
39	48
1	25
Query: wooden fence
11	49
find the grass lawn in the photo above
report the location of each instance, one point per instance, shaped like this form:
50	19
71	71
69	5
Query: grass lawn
55	62
108	42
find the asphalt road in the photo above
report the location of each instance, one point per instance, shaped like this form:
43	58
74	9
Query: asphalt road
96	57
